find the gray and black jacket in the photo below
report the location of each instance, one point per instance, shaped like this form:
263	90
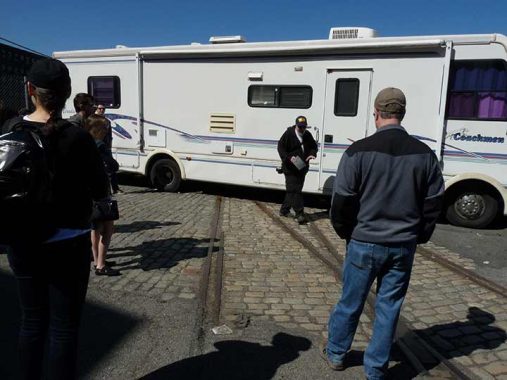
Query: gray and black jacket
388	189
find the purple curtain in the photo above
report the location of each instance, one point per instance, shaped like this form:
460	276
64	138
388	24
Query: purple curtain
461	104
492	105
478	89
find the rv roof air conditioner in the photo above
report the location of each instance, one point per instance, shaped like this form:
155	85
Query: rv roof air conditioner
226	39
351	33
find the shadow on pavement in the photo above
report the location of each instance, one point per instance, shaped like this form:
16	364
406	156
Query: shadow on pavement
236	360
141	226
157	254
460	338
102	329
500	223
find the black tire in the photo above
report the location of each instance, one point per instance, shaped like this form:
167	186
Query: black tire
472	207
165	175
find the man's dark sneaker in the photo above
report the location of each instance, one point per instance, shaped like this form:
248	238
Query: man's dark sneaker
107	271
323	355
301	219
284	213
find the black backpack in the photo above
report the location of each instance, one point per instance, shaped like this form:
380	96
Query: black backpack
26	184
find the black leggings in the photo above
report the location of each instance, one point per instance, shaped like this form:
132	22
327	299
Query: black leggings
52	282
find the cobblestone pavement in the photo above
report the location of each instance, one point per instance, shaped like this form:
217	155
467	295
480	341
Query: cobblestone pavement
161	241
462	320
272	277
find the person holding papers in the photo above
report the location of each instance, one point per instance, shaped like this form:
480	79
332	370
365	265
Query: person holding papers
296	148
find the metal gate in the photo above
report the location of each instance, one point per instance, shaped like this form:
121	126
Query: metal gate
14	64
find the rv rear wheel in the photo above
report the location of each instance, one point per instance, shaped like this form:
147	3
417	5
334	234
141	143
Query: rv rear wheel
165	175
474	208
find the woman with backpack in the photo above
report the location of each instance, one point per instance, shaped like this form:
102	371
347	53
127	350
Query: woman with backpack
103	225
50	257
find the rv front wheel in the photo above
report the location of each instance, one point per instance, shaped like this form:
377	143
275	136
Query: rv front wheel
474	208
165	175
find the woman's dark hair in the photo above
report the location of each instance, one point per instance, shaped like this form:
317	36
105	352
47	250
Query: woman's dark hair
52	101
51	80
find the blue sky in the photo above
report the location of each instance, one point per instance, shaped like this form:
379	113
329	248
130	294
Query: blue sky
56	25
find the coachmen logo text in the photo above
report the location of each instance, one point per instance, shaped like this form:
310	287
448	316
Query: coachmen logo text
477	138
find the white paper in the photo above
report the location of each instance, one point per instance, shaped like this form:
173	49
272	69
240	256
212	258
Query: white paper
298	163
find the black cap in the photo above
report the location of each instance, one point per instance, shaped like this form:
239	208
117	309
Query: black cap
301	121
50	74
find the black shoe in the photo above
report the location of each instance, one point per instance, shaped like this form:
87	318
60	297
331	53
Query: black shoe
107	264
301	219
285	214
107	271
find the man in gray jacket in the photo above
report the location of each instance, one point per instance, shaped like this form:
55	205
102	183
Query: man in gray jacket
387	196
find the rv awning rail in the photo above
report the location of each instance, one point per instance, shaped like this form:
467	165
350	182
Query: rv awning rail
324	48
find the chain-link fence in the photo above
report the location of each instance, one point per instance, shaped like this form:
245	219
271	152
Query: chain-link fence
14	64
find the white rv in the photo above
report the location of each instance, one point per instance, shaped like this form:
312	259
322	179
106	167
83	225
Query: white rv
215	112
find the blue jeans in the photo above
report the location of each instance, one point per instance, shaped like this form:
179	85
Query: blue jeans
391	265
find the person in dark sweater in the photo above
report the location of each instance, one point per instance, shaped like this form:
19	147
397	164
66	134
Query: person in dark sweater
296	148
52	274
387	196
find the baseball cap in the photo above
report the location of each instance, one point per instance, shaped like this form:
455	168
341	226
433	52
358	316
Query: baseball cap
391	99
50	74
301	121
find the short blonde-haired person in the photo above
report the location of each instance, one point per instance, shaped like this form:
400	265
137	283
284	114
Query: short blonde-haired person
102	231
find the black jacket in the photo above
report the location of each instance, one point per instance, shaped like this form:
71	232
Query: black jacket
289	146
110	164
79	176
388	189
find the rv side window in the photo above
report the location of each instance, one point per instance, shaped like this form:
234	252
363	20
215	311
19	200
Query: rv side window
346	97
280	96
478	90
105	90
262	96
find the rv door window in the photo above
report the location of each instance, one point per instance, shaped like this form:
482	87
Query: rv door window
478	90
280	96
346	97
105	90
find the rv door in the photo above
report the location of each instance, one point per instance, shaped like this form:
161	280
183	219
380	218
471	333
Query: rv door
346	117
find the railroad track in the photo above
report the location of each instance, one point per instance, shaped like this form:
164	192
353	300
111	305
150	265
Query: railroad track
210	285
425	359
421	355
